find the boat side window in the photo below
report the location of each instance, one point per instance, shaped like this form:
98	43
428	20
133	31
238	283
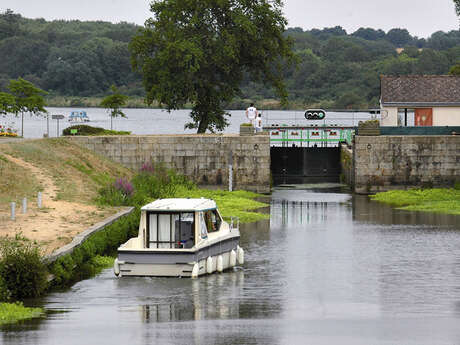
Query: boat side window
171	230
213	220
203	229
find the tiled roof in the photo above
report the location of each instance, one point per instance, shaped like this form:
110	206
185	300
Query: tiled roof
420	89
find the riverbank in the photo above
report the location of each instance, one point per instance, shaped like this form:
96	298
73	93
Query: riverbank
139	102
438	200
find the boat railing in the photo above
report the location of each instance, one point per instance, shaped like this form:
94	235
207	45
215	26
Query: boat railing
232	220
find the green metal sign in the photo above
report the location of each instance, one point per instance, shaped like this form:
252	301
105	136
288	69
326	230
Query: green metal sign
73	131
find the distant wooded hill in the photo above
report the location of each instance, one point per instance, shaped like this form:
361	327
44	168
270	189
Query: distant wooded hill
335	70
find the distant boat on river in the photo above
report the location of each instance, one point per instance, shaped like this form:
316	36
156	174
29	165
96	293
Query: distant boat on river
78	116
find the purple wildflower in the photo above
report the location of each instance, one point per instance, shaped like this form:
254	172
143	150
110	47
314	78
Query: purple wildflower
124	186
147	167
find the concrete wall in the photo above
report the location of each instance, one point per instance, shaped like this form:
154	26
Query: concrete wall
395	162
203	158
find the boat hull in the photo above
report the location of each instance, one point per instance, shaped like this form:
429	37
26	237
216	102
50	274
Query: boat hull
180	263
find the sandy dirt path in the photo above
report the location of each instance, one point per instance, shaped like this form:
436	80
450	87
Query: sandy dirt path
58	221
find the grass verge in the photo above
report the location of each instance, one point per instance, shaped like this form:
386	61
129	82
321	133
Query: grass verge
15	312
437	200
241	204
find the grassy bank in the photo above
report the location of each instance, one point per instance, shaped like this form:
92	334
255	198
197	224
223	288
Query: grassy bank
15	312
438	200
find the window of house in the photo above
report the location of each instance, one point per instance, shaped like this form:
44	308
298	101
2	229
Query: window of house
406	117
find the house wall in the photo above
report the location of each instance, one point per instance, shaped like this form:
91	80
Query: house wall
442	116
393	162
203	158
446	116
391	118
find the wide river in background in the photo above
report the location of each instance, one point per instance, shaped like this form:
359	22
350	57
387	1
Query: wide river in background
327	268
157	121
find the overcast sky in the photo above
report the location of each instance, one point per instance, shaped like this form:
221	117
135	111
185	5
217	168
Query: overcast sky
420	17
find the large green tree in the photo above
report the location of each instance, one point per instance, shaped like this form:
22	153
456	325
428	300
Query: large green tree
457	7
27	99
198	51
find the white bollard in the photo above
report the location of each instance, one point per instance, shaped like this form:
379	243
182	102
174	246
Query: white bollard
24	205
39	200
13	211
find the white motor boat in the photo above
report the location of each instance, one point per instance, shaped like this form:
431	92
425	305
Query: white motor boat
180	238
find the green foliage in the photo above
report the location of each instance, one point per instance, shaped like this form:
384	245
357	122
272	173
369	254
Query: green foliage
5	293
439	200
455	70
73	60
88	259
21	267
14	312
457	7
113	103
7	103
89	130
198	52
27	97
239	204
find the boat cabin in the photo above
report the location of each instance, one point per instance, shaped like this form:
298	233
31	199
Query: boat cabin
178	223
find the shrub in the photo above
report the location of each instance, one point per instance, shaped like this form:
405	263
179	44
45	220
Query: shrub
89	130
21	267
5	294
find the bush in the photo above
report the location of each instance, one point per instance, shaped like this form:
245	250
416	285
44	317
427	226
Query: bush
5	294
21	267
84	261
89	130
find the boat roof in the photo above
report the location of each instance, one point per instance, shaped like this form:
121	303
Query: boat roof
180	205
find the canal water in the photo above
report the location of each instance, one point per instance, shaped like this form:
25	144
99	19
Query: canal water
327	268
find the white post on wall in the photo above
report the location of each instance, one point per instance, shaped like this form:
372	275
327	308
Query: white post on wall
24	205
39	200
13	211
230	171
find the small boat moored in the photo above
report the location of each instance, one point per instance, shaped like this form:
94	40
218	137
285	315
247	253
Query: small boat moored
78	116
180	238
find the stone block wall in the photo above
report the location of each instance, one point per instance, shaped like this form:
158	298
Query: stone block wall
203	158
394	162
346	164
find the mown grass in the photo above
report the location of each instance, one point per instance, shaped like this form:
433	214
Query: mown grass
438	200
77	172
239	204
14	312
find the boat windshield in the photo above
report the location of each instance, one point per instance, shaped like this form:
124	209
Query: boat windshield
171	230
212	220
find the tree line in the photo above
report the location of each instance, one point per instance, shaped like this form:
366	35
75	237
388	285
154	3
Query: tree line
335	69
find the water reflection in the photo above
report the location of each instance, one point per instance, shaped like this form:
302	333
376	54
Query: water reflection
204	301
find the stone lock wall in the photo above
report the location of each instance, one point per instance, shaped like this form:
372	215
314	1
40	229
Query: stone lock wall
346	164
203	158
394	162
